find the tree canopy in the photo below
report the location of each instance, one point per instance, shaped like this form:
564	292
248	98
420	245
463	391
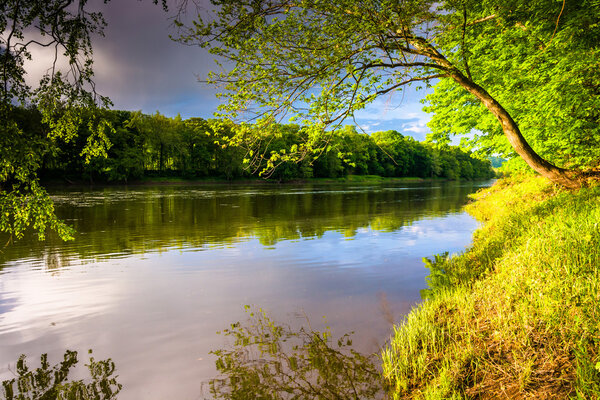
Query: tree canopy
540	62
517	77
65	95
319	62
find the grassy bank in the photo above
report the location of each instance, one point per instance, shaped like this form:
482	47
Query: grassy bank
518	314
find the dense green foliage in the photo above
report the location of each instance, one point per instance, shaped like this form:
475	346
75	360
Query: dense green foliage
62	97
155	145
317	63
515	316
537	58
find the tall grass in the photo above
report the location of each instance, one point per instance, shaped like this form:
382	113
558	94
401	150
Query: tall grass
518	314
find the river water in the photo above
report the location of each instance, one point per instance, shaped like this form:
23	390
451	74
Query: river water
154	272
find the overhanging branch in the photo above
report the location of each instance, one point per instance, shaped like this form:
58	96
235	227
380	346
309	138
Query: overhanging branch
411	80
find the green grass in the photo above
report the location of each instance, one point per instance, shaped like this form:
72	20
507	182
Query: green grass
518	314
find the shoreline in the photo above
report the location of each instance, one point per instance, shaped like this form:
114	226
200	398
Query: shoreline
174	181
515	315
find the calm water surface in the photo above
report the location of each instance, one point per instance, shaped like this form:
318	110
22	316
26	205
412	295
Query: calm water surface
154	272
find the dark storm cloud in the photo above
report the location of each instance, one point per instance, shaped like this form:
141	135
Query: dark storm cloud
139	67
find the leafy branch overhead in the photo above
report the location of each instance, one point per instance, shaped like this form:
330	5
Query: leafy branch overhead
319	62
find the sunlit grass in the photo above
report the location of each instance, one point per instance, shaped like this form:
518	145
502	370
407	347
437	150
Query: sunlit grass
516	316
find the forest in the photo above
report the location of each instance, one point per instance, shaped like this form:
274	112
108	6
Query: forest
146	146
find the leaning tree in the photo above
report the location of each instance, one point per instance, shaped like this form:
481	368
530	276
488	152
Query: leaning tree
320	61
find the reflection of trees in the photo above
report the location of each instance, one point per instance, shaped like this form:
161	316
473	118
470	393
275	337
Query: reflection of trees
119	222
54	260
50	382
272	361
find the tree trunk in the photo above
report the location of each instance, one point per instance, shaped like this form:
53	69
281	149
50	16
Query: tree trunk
555	174
160	158
510	128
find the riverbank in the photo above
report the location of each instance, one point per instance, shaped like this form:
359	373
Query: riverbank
169	180
516	316
345	179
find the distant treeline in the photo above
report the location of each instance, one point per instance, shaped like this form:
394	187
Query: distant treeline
144	145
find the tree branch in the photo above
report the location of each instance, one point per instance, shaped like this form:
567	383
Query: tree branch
411	80
464	31
480	20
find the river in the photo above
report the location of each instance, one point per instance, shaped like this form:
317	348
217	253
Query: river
155	271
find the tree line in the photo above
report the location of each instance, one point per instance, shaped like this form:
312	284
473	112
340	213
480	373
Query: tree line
141	145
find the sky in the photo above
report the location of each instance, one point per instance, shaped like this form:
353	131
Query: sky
139	67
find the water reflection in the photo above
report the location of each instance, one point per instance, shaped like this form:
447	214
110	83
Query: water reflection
269	360
155	272
264	359
114	223
49	382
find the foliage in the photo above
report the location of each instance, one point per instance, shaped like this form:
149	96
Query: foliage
30	208
515	315
540	60
497	162
155	145
63	98
319	62
272	361
49	382
63	101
